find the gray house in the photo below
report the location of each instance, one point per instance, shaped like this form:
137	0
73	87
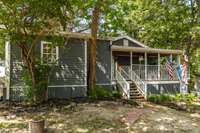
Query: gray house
122	62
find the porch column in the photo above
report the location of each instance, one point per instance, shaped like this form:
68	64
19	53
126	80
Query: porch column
112	64
85	45
145	64
171	58
131	64
7	69
178	59
115	69
158	66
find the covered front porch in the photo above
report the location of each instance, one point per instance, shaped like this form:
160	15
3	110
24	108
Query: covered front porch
142	71
147	63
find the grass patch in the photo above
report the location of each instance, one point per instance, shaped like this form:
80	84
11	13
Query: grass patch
99	123
13	125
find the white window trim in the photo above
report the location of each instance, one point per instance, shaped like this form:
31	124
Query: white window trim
42	51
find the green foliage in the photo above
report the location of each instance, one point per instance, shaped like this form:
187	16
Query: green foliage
194	66
116	94
163	24
189	98
100	92
161	98
12	125
36	94
2	48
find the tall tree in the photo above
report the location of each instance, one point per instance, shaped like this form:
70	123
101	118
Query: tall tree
92	57
25	22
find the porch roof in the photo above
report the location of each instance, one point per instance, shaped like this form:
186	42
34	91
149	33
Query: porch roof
146	49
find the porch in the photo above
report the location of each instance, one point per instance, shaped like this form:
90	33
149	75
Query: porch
143	67
147	66
147	72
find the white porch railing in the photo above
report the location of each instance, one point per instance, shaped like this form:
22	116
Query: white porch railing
140	83
123	74
124	85
153	72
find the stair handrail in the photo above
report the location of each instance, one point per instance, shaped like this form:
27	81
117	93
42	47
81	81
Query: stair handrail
125	86
139	83
122	71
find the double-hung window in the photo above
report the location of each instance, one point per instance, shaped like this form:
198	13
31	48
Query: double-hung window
49	53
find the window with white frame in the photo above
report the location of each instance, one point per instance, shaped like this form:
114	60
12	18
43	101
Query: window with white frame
49	52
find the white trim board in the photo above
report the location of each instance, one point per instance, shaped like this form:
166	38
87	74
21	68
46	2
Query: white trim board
7	68
104	84
130	39
162	82
51	86
57	86
111	63
148	50
42	50
85	54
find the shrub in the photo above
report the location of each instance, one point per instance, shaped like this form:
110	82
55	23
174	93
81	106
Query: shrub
100	92
188	98
179	98
116	94
36	94
160	98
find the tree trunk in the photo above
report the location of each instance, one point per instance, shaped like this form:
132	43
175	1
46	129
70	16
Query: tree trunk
92	53
29	61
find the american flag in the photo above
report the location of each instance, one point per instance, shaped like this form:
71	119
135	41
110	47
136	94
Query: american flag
170	69
184	73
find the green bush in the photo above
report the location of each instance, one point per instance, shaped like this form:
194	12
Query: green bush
116	94
160	98
36	94
179	98
100	92
188	98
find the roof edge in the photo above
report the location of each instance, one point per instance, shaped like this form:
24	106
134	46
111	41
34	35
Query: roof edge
131	39
148	50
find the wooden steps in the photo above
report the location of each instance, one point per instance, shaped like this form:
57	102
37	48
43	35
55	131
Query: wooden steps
135	94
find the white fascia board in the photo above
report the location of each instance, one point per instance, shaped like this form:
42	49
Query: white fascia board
131	39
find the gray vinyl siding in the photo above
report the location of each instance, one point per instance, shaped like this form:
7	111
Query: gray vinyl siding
16	69
66	92
16	66
163	88
103	62
71	65
69	71
16	93
120	43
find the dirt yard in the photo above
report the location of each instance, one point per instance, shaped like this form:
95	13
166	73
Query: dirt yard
99	117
